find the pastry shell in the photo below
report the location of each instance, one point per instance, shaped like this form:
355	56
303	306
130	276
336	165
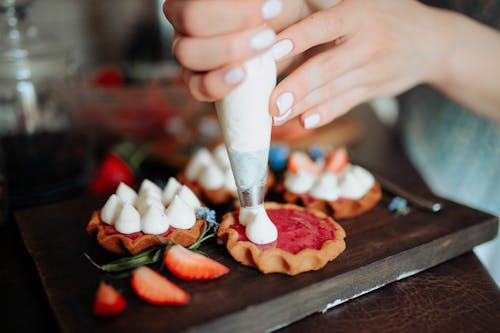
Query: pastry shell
121	244
341	208
276	260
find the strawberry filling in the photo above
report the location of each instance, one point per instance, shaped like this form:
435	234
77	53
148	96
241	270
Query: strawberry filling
110	230
297	230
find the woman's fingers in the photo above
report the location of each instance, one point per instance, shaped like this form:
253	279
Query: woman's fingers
213	85
321	27
335	107
214	52
216	17
315	73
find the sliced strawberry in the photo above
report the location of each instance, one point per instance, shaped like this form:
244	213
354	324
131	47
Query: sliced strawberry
156	289
337	160
108	301
301	161
189	265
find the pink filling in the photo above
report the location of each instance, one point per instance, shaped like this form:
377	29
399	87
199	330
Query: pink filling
297	230
110	230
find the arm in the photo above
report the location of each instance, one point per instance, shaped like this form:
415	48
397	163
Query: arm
471	71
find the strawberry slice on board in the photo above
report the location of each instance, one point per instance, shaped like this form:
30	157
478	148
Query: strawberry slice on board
300	161
188	265
156	289
108	301
337	160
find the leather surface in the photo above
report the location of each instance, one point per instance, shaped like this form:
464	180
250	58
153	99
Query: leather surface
457	296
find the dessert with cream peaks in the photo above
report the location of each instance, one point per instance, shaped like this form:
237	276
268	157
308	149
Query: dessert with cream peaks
132	221
333	185
305	240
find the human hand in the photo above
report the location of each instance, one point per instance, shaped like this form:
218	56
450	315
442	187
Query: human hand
355	51
213	38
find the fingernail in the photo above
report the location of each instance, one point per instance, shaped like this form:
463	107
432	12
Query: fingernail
311	121
284	102
233	76
263	39
271	8
281	119
281	48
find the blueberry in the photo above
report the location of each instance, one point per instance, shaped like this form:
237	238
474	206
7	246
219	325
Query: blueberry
278	156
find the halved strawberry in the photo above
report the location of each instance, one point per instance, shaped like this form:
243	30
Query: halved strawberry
108	301
189	265
155	288
301	161
337	160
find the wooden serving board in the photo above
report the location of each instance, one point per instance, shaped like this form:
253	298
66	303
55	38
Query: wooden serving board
381	248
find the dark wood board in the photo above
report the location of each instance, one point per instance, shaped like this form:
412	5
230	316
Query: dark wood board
381	248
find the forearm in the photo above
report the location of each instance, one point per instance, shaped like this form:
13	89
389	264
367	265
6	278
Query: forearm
470	68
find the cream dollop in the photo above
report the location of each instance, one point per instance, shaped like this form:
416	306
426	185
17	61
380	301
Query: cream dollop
125	193
128	220
180	214
200	159
154	221
173	186
258	227
353	183
110	209
189	197
148	187
211	177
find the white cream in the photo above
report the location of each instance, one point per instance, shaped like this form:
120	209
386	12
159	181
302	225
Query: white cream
128	220
147	202
258	227
111	209
300	182
148	186
355	182
211	177
189	197
125	193
195	165
180	214
326	187
171	189
154	221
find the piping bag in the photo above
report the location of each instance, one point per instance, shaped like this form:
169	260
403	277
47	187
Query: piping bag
246	126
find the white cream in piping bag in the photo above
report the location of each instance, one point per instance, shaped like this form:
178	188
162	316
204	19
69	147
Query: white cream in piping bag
246	124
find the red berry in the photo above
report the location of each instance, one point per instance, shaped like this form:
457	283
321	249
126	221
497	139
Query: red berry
108	301
189	265
156	289
300	161
337	160
111	173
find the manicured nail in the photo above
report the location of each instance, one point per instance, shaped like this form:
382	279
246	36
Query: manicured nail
281	119
263	39
311	121
281	48
233	76
284	102
271	8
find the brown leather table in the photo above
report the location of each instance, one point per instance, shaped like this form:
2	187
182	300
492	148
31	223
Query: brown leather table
456	296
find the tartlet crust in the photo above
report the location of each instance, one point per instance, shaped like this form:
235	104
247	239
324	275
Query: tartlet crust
339	209
218	196
275	260
121	244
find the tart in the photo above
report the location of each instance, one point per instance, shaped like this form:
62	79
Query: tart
307	240
208	174
133	243
334	186
132	222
